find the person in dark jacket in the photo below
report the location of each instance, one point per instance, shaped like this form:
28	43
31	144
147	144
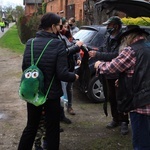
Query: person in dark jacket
73	58
52	63
109	52
133	66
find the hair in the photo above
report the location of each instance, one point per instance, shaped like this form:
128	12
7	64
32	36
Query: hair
127	40
48	20
63	21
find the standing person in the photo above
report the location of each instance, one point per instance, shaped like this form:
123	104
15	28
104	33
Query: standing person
133	65
2	25
52	63
73	28
73	57
109	52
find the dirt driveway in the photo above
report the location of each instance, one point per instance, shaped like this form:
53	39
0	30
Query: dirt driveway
87	132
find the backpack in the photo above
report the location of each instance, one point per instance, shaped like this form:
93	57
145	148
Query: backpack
31	87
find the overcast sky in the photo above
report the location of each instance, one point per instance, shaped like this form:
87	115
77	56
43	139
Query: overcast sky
11	2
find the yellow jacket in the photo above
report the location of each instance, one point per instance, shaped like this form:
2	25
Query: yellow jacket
2	24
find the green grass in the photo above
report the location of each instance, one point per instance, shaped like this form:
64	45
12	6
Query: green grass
11	40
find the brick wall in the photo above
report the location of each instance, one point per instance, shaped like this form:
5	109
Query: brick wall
58	5
78	8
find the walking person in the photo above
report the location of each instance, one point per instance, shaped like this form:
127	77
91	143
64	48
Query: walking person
109	52
133	66
2	25
52	63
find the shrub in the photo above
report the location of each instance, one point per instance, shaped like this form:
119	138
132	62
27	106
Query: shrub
27	27
144	21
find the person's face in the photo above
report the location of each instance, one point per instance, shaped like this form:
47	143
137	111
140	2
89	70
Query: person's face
57	27
70	23
65	27
111	28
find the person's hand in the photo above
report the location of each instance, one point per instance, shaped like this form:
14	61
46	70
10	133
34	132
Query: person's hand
79	62
79	43
92	53
77	77
97	64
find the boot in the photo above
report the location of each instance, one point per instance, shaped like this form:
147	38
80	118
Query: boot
124	128
112	125
63	118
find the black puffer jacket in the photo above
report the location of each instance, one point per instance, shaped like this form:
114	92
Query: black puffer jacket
53	61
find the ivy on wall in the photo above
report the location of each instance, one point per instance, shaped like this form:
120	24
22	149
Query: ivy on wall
44	5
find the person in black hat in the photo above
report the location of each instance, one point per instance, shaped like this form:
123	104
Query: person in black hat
107	53
133	66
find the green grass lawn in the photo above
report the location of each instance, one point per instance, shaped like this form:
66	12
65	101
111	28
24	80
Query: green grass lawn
11	40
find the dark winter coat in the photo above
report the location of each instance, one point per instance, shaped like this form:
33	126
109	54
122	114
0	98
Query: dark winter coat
53	61
109	51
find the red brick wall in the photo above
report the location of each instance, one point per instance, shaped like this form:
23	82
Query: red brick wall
55	6
78	8
58	5
30	9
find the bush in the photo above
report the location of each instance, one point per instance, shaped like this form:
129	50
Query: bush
143	21
27	27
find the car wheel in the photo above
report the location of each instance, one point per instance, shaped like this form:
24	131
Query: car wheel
95	90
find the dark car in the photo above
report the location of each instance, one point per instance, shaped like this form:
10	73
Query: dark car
132	8
93	37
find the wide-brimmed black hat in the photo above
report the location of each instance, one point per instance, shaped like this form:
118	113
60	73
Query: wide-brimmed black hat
133	29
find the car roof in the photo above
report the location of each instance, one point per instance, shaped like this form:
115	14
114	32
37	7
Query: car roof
94	27
102	27
132	8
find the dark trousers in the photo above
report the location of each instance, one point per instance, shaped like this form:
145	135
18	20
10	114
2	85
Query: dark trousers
69	89
2	29
52	116
111	93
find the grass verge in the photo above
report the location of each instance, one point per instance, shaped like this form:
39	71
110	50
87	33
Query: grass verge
12	41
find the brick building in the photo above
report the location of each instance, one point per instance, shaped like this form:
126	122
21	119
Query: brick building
31	6
71	8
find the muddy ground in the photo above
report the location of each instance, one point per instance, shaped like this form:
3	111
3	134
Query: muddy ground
87	131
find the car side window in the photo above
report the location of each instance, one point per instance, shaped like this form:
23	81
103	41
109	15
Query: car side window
98	40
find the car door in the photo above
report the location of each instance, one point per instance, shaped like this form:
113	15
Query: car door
132	8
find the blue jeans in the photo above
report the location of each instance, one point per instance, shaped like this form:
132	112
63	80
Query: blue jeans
67	88
140	131
64	84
